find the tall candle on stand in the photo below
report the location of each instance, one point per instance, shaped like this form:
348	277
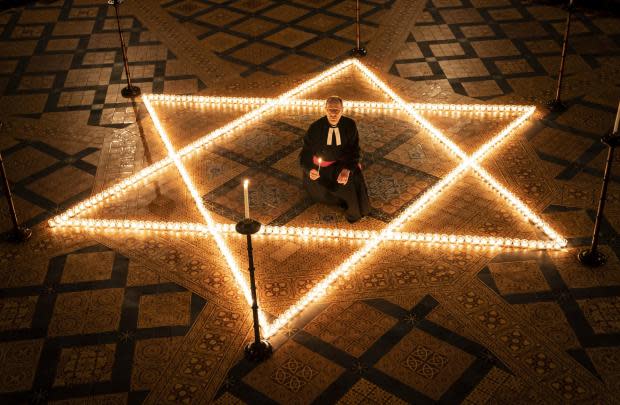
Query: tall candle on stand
246	198
321	160
615	131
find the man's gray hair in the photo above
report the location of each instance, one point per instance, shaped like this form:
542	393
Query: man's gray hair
334	99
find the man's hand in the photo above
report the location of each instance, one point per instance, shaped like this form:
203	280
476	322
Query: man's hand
343	177
314	174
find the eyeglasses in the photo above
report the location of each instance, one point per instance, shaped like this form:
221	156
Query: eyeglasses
334	110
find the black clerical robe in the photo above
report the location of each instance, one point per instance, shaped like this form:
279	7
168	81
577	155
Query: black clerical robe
339	145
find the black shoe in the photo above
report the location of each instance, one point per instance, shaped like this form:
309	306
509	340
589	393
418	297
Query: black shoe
352	221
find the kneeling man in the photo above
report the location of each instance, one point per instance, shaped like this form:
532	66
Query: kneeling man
332	142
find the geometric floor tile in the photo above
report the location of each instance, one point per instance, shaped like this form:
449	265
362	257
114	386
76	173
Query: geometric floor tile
289	378
83	328
425	363
85	365
366	392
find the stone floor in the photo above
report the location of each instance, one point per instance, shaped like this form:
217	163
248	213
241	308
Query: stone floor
103	316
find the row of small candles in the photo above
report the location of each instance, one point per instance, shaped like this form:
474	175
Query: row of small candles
315	233
319	232
372	239
217	100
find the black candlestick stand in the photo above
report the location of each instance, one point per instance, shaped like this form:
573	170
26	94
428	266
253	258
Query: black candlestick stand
557	104
259	349
18	233
130	91
358	51
592	257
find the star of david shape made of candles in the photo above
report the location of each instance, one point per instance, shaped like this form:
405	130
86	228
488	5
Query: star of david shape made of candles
371	239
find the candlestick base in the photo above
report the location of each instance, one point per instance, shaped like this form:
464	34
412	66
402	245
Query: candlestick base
611	139
556	106
258	351
359	52
131	91
247	226
592	258
19	235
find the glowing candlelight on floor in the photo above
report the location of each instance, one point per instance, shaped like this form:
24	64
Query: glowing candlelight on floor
321	160
615	131
246	198
372	239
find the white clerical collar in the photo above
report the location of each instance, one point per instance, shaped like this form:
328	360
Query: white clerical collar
333	130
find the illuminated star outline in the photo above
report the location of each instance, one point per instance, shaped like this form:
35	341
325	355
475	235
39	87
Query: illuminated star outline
372	239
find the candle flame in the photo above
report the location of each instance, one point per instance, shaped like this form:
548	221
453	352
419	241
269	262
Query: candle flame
245	183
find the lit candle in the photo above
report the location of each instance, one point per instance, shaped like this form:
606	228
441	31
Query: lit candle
617	120
321	160
246	198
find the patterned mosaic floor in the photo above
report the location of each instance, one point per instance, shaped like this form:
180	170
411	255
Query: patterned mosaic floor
278	37
105	317
485	49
